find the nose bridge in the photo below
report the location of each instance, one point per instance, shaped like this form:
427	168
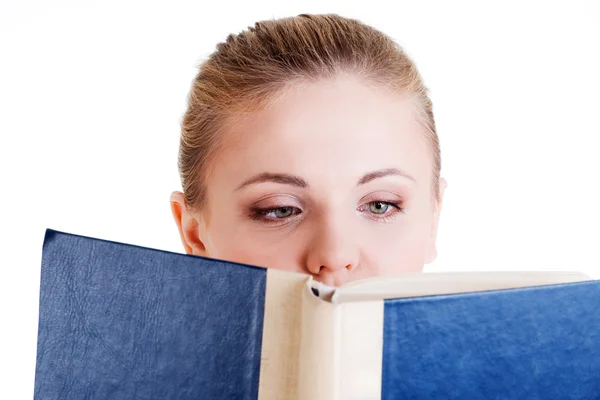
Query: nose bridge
334	247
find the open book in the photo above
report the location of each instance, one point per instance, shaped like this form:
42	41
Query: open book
119	321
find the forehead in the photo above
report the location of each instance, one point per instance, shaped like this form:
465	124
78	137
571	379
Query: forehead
342	127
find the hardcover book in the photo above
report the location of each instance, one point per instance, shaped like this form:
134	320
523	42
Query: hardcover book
119	321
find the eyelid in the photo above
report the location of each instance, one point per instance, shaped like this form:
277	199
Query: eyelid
277	201
383	196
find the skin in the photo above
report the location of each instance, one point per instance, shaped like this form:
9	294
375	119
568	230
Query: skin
333	180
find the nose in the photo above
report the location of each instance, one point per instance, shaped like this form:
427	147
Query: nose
333	253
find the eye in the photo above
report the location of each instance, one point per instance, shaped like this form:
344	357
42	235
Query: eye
379	207
381	211
282	212
274	214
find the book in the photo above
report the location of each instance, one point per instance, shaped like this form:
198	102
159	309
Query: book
120	321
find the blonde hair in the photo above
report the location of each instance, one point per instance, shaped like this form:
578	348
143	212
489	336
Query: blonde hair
249	70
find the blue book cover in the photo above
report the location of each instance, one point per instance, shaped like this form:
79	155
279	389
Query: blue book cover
119	321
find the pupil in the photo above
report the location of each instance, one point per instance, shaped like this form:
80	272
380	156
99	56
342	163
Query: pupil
283	212
378	207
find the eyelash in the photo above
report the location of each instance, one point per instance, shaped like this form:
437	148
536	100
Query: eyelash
259	214
396	208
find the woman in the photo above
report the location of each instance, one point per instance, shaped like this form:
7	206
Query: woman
309	145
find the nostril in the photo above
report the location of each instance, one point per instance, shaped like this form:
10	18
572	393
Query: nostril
348	267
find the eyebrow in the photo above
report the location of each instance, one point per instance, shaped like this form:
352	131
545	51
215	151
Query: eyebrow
382	173
287	179
284	179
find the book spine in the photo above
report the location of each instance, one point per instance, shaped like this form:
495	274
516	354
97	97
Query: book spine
317	359
340	349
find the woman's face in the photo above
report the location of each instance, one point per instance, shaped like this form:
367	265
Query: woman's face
333	180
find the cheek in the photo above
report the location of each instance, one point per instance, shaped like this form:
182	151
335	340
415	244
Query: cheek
402	250
403	258
235	242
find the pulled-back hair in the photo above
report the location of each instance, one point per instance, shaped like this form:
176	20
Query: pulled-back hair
250	70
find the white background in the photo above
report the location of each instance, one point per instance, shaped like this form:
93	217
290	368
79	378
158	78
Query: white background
92	92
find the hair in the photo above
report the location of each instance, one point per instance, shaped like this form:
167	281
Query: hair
250	70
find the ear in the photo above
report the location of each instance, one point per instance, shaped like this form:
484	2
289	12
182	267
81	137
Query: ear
191	228
432	250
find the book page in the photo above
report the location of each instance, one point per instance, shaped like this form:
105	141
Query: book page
427	284
279	366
